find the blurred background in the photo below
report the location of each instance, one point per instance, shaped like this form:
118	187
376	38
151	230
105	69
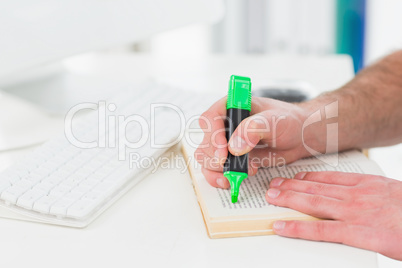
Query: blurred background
364	29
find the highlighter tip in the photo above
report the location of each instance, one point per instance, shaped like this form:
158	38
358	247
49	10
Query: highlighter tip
235	179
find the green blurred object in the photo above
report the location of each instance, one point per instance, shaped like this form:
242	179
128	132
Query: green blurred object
235	179
239	95
350	30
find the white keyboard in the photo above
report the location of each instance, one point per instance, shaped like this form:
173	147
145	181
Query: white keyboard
59	183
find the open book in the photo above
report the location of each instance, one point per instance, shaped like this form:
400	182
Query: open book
252	215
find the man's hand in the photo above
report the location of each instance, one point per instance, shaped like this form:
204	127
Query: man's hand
272	135
363	211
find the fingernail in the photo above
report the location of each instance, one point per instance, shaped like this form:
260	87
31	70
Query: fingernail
221	183
276	182
279	225
237	144
273	193
300	176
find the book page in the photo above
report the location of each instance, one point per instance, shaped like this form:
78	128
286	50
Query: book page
252	201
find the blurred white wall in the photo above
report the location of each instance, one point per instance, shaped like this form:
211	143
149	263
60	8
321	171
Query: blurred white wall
384	33
189	41
276	26
283	26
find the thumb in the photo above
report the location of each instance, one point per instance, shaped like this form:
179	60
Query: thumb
249	133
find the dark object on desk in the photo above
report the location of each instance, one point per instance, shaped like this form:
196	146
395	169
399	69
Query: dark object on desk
287	95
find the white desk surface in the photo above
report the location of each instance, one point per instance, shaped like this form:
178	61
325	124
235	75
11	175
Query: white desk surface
159	221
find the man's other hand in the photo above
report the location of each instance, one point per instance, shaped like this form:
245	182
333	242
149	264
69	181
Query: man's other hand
363	211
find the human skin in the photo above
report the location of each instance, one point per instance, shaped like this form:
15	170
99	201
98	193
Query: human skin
362	210
365	211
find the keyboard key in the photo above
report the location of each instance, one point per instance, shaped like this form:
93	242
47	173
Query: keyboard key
59	191
10	176
93	196
11	194
69	169
90	183
39	158
85	171
27	200
44	186
60	207
4	185
24	184
42	171
73	195
61	174
80	209
53	179
79	176
43	204
45	151
71	182
96	177
81	189
34	178
21	171
56	161
30	164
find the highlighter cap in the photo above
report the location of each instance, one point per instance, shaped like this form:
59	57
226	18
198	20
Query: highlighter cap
239	95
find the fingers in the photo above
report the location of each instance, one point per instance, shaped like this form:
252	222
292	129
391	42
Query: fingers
330	231
248	134
340	232
218	108
215	179
211	163
316	188
209	156
273	128
314	205
331	177
270	157
214	164
213	124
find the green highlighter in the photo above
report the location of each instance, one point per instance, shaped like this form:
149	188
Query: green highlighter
238	108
